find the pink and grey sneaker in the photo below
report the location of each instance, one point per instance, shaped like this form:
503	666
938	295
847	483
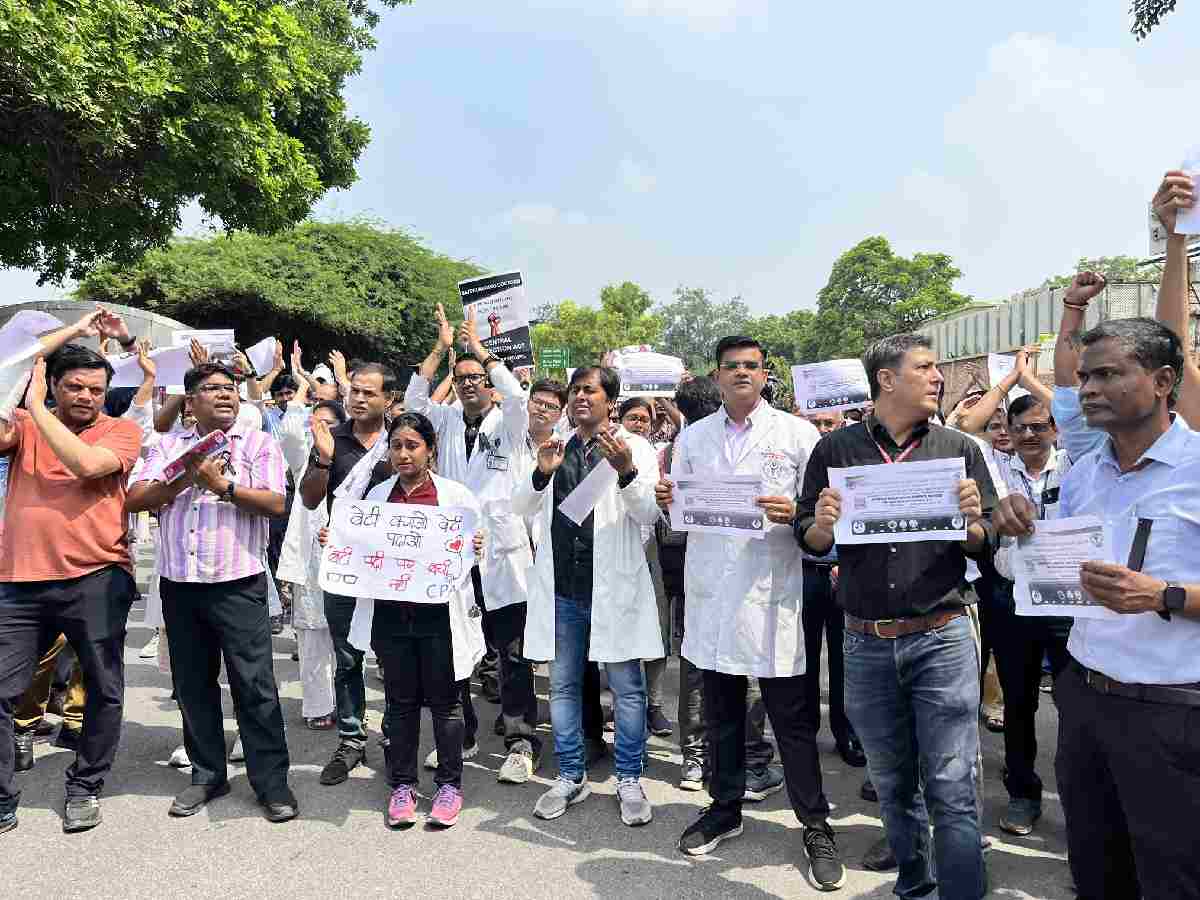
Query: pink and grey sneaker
447	804
402	807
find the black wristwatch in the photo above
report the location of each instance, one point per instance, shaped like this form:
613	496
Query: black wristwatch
314	460
227	494
490	357
125	345
626	480
1174	600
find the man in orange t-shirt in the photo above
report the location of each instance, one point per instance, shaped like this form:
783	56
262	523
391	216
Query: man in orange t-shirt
64	562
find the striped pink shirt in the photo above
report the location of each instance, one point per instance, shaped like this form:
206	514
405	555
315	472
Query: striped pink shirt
202	538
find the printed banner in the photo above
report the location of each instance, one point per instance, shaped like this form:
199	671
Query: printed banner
645	373
501	315
397	551
830	386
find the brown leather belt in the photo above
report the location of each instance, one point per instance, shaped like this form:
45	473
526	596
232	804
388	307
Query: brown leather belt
1173	694
898	628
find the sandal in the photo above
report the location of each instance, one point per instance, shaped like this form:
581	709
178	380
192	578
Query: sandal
320	723
994	724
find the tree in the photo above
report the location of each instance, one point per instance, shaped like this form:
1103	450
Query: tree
1113	268
351	286
693	323
789	337
872	293
588	333
115	114
1147	14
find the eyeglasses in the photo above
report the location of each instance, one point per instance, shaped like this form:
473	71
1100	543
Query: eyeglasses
477	378
634	417
997	426
1035	427
733	365
214	389
545	407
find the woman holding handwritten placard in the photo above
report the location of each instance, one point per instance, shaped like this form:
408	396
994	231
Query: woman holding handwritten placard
425	648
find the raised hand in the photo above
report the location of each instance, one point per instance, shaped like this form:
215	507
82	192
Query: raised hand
148	366
36	394
613	448
445	331
298	363
110	325
1175	193
198	353
277	365
322	440
88	324
550	456
468	339
337	362
1084	286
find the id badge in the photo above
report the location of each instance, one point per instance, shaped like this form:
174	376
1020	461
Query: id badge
497	463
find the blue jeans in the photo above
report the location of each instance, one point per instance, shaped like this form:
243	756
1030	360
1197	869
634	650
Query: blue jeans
914	704
572	634
349	691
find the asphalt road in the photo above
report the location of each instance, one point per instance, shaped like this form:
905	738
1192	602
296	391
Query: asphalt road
340	846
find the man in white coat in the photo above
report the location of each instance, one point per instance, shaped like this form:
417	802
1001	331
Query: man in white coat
743	607
479	446
590	593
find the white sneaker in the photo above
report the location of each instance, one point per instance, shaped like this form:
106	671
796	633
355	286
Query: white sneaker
151	649
635	808
179	758
237	754
431	760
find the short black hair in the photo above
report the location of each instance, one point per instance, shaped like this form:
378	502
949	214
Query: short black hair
335	407
1024	404
887	352
1149	341
698	397
390	381
468	358
285	382
634	403
738	342
193	377
550	386
418	423
75	356
609	378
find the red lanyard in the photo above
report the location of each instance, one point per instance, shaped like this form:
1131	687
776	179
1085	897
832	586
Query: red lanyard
887	457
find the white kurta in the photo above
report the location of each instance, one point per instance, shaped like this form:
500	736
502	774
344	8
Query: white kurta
744	597
624	609
490	474
466	630
300	556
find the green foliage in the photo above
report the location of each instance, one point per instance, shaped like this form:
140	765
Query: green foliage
115	114
872	293
350	286
1113	268
622	319
1147	14
693	323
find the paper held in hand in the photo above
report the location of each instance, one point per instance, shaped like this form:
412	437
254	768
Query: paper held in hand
830	386
212	443
718	504
900	503
645	373
397	551
1000	365
1046	567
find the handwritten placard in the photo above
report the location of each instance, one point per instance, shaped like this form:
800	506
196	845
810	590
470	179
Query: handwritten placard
397	551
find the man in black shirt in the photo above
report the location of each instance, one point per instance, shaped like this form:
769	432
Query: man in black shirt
911	668
335	452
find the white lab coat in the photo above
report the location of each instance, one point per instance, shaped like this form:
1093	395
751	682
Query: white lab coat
742	614
300	557
490	475
624	610
466	630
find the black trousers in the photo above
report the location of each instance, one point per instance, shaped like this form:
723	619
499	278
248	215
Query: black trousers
725	726
418	670
1129	779
1019	643
821	617
229	619
91	611
504	629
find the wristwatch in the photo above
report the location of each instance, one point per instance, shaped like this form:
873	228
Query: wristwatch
314	460
1174	599
227	494
626	480
125	345
489	357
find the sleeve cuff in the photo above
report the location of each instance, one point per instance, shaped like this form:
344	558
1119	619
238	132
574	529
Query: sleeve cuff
540	480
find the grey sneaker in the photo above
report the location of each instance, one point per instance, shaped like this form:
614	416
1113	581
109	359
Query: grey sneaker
635	808
691	775
762	783
563	793
81	813
519	765
1021	815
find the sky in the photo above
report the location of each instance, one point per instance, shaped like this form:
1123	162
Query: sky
742	145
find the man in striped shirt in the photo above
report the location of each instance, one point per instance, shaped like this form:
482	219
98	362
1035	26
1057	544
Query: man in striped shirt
213	523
